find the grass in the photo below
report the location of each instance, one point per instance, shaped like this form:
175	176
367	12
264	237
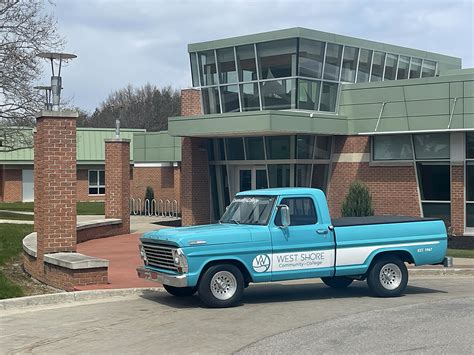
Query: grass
83	208
16	216
461	253
11	236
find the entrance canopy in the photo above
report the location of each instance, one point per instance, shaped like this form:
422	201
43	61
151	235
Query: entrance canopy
269	122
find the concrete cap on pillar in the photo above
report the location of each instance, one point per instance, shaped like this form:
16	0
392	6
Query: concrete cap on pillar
117	140
57	114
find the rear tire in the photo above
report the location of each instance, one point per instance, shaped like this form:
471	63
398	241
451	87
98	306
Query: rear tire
388	277
221	286
337	281
180	291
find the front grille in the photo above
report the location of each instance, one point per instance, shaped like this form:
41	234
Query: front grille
160	256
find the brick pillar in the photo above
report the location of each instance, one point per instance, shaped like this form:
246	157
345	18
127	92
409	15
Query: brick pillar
55	182
194	178
457	199
117	181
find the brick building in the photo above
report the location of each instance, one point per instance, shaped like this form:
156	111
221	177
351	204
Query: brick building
154	161
299	107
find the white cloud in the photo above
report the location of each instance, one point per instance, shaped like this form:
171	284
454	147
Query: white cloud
120	42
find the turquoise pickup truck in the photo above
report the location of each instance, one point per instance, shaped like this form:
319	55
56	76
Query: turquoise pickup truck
287	234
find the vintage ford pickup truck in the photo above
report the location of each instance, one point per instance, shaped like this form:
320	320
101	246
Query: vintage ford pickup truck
286	234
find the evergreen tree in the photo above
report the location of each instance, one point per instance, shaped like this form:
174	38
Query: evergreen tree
358	201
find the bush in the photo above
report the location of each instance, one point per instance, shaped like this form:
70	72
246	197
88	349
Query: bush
149	193
358	201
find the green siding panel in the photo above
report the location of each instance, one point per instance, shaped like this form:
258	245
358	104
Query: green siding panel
427	92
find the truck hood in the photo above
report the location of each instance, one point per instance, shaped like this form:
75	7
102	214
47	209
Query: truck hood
200	235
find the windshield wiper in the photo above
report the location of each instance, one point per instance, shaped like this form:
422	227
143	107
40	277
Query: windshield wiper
232	221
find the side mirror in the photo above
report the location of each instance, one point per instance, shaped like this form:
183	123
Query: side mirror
285	215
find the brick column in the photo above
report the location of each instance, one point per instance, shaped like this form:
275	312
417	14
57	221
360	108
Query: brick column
195	191
457	199
55	182
117	181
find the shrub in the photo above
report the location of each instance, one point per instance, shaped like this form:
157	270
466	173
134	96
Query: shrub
149	208
358	201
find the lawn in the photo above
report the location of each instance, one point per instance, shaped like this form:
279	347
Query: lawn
11	236
83	208
461	253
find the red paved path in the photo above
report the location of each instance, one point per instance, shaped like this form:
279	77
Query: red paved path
123	255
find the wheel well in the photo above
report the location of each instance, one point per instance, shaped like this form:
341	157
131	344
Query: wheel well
401	254
236	263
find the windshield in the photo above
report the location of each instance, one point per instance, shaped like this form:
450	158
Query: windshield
249	210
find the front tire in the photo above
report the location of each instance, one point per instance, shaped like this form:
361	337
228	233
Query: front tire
180	291
221	286
337	281
388	277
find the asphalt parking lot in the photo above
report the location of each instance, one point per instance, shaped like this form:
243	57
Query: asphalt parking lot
435	315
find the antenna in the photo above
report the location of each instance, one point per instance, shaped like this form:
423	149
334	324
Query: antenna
56	60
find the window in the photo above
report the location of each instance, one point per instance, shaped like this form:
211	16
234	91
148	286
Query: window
394	147
434	181
333	61
415	68
194	69
278	94
365	61
349	63
377	66
226	62
207	66
246	62
304	147
431	146
230	98
323	147
279	175
254	148
210	100
470	145
302	211
96	182
328	97
311	57
249	96
235	148
277	59
391	67
403	65
278	147
429	68
308	94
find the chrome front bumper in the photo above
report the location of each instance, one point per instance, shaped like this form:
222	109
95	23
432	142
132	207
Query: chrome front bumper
162	278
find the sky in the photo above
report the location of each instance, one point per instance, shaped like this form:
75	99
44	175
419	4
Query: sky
120	42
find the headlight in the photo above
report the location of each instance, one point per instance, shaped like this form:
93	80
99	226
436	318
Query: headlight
180	260
142	253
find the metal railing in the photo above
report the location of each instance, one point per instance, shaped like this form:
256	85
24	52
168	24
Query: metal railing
154	208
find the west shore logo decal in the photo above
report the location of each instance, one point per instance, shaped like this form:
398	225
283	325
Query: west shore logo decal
311	259
261	263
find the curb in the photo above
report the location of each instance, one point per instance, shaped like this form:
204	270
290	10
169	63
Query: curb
71	297
445	271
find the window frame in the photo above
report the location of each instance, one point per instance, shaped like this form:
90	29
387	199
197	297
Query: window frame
97	186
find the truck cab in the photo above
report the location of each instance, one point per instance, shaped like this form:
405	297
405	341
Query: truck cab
286	234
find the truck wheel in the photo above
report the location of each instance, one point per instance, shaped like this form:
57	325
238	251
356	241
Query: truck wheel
180	291
337	281
221	286
388	277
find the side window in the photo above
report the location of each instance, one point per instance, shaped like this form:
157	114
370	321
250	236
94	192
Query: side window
302	211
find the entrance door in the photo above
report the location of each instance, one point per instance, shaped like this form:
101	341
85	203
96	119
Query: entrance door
27	185
251	178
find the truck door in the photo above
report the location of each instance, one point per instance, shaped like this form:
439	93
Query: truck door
306	247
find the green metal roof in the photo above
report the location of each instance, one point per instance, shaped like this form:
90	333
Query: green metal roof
446	62
156	147
90	146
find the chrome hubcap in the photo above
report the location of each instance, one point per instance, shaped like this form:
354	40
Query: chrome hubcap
223	285
390	276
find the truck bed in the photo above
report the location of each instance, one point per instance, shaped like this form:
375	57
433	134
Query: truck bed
362	221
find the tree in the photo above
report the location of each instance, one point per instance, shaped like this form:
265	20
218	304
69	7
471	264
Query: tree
25	31
358	201
145	107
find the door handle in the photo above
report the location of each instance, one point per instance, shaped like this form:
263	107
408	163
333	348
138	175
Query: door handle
322	231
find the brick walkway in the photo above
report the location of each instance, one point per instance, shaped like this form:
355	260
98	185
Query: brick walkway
123	255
